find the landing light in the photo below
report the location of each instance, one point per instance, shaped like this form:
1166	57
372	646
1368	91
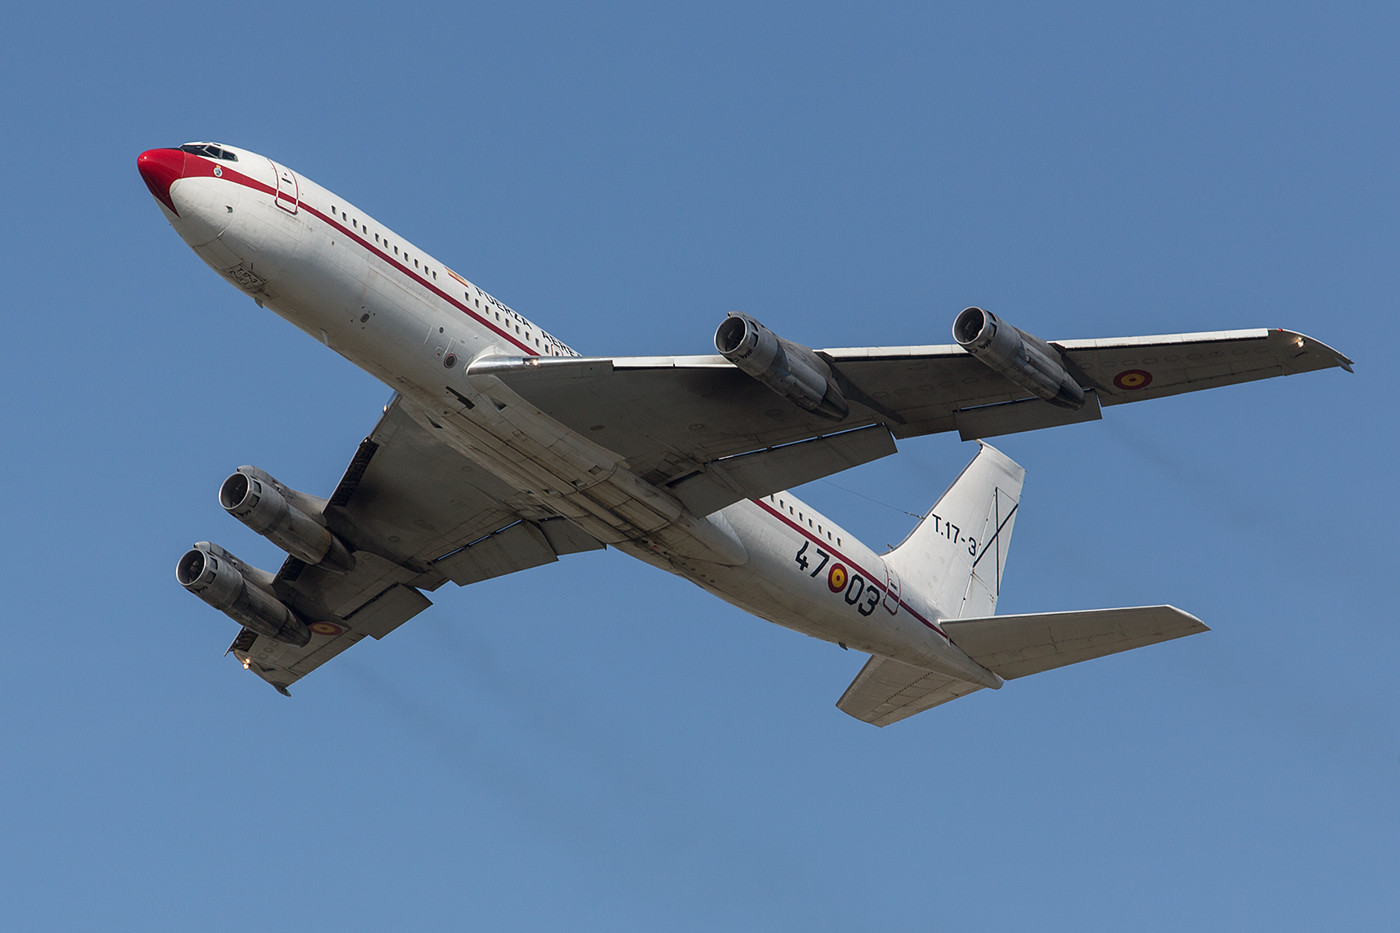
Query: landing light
1299	342
247	663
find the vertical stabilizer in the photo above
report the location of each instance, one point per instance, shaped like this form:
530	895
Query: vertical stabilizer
956	555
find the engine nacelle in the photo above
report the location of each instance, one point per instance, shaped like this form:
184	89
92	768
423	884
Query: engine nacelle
240	592
1025	359
793	371
258	501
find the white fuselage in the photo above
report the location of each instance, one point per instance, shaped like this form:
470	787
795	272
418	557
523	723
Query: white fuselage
404	316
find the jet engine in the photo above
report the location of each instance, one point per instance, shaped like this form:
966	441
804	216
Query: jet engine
258	501
1026	360
241	592
793	371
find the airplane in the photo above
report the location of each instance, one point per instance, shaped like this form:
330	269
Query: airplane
502	449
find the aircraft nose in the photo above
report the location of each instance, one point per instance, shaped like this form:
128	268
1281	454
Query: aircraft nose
160	168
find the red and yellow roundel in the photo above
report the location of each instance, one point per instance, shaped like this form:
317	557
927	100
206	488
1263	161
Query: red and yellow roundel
836	579
1130	379
325	628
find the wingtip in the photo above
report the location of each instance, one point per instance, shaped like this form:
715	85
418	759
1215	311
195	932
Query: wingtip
1306	344
1193	623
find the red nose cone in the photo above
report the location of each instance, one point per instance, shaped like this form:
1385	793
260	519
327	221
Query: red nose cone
160	168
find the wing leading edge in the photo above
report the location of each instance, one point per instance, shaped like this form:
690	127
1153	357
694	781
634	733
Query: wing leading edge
669	416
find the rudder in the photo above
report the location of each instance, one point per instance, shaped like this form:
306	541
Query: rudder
956	555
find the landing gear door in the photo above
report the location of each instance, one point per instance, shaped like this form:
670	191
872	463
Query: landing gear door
288	188
891	590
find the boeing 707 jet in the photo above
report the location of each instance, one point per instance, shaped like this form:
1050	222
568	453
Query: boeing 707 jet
502	449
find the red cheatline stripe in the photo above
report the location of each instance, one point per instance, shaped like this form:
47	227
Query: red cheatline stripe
826	545
206	169
200	167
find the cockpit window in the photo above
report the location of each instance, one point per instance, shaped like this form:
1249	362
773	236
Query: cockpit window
210	150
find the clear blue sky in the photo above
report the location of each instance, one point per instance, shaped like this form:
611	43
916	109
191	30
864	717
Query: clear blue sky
599	746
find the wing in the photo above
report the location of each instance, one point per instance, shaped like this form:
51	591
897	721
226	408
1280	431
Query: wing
670	417
930	389
417	515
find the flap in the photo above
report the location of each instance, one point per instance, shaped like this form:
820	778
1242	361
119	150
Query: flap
517	547
1029	414
758	474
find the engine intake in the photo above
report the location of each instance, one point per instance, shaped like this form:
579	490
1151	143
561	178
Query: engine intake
282	515
1031	363
239	591
793	371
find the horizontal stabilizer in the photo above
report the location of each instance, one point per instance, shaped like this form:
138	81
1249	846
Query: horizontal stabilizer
887	691
1017	645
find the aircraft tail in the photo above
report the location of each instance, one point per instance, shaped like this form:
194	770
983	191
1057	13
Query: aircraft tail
956	555
955	558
